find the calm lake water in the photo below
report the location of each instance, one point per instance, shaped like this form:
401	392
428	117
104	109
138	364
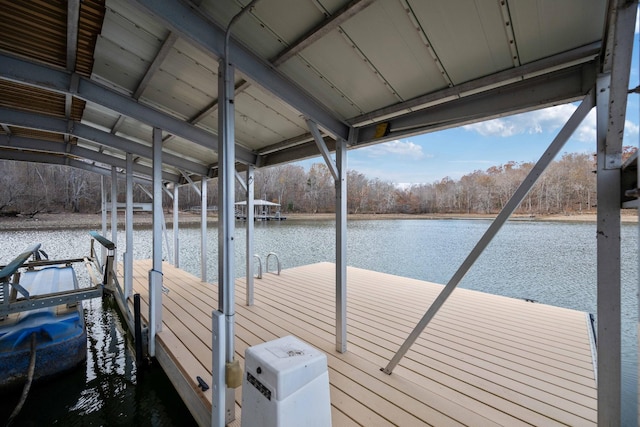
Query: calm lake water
552	263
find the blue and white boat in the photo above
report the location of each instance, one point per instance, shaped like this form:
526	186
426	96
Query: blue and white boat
41	317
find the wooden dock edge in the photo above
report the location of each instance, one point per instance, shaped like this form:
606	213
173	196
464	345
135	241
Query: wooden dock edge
192	399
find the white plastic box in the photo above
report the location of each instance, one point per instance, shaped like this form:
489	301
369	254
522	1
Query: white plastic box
285	384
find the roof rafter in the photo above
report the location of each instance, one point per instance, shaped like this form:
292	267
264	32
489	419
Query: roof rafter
25	156
562	86
148	75
48	78
51	124
503	78
73	16
58	149
210	37
325	27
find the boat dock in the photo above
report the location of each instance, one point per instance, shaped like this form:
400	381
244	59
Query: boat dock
484	360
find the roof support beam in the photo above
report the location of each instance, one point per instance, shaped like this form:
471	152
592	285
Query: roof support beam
37	75
73	16
325	27
155	65
492	82
210	37
23	156
313	128
58	149
82	131
538	92
298	152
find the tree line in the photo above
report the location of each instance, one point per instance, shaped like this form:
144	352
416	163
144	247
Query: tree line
567	186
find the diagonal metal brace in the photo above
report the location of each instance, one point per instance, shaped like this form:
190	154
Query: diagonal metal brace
554	148
313	128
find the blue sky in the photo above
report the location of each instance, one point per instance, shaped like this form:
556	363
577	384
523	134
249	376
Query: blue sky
456	152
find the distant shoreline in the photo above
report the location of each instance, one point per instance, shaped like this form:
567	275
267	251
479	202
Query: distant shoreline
63	221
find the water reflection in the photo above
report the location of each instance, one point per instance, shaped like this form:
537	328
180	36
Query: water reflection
106	388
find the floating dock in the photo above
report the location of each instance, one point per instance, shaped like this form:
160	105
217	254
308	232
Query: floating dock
484	359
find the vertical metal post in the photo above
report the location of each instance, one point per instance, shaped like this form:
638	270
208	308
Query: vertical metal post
512	204
249	235
137	329
203	229
176	240
218	361
613	88
128	256
103	207
608	253
155	274
114	216
341	246
226	220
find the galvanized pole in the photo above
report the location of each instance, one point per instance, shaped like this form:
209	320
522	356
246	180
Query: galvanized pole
176	240
103	205
608	252
203	229
495	226
128	257
155	274
114	216
341	246
612	89
226	218
249	232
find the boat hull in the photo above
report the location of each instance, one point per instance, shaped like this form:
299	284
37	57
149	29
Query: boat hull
59	331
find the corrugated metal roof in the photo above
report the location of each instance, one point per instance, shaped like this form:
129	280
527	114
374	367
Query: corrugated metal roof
393	64
38	30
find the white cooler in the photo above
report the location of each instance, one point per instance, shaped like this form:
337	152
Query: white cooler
285	384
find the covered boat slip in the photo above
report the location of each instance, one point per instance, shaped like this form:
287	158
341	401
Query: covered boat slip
484	360
130	92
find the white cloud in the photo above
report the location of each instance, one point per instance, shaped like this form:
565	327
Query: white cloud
534	122
406	149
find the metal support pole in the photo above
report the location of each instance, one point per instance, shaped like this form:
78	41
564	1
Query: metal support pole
128	256
203	229
612	88
218	361
103	207
226	219
341	246
137	328
155	275
249	231
495	226
176	239
114	216
608	253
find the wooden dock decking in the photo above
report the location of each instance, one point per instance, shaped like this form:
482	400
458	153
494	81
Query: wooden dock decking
484	359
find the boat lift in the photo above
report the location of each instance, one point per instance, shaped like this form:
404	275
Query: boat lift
10	286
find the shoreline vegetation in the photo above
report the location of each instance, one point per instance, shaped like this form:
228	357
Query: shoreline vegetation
62	221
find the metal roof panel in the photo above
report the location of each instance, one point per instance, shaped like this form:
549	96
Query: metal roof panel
120	67
384	33
546	27
468	36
